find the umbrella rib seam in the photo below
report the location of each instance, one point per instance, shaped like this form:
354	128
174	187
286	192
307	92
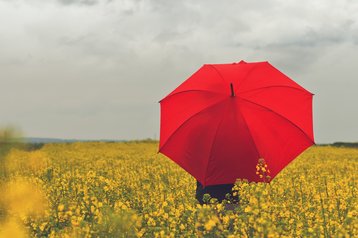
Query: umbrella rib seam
188	119
250	132
218	72
191	90
278	86
212	145
247	75
278	114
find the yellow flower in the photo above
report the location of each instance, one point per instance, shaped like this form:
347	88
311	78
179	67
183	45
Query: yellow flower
209	225
226	219
60	207
43	226
248	209
182	227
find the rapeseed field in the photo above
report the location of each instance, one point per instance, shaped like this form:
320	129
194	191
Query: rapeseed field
98	189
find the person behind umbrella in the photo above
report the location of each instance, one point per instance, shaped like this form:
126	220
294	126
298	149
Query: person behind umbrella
215	191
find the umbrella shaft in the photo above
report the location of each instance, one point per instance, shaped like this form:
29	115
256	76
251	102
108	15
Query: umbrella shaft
232	90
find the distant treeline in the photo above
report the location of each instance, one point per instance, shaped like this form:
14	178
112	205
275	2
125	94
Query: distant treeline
342	144
346	144
39	143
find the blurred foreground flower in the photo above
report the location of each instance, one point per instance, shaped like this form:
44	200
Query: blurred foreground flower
12	228
9	137
22	198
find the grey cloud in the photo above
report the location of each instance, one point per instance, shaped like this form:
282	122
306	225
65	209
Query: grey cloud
326	35
79	2
61	2
109	64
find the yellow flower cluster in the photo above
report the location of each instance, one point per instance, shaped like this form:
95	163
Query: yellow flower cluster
99	189
262	171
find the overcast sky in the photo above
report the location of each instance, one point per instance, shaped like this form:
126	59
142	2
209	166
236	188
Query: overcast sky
96	69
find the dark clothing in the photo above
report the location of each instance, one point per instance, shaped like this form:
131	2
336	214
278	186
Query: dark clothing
215	191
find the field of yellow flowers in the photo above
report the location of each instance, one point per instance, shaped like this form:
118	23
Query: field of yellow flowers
98	189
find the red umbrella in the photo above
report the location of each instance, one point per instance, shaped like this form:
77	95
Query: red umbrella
225	117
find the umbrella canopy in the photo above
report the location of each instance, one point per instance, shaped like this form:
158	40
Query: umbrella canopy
221	122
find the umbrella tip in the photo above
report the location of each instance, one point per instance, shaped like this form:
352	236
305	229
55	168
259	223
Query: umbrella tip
240	62
232	90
